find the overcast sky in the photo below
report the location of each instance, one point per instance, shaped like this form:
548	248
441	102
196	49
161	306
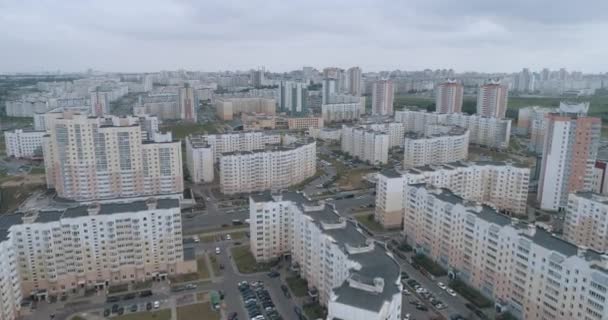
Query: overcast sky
283	35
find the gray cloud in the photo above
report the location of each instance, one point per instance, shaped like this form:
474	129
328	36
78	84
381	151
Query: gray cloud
139	35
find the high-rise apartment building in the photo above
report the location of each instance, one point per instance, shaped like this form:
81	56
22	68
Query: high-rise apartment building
54	251
501	185
355	81
569	154
492	99
340	108
257	78
187	104
524	269
329	89
395	131
199	159
238	142
448	97
293	97
586	220
448	146
383	94
100	103
24	144
89	158
274	168
332	254
365	144
485	131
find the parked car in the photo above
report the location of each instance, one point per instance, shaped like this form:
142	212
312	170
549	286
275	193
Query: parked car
149	306
273	274
156	304
451	292
441	285
217	250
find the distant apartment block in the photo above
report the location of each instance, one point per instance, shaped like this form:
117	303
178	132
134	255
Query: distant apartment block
187	104
325	134
383	95
365	144
340	108
448	146
227	108
100	103
586	221
24	144
501	185
302	123
522	268
199	159
338	261
448	97
54	251
484	131
395	131
238	142
293	97
354	81
492	99
272	168
89	158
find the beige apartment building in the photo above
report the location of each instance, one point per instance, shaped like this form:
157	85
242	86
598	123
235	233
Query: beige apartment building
88	158
227	108
586	221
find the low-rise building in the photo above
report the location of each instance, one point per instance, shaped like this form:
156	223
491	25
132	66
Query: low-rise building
24	144
365	144
272	168
524	269
303	123
226	108
355	278
325	134
256	122
449	146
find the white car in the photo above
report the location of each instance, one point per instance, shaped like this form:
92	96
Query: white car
451	292
156	304
441	285
406	292
407	316
217	250
228	237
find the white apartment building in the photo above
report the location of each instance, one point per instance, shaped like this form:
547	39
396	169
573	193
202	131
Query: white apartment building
569	154
88	158
524	269
239	142
293	97
338	112
448	97
395	131
24	144
586	222
484	131
273	168
354	277
492	100
199	159
55	251
100	103
383	94
325	134
420	150
498	184
365	144
355	81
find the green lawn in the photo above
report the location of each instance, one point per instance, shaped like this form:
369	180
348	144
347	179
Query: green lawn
314	311
37	170
202	273
197	311
429	265
369	222
470	294
118	288
143	285
181	130
147	315
12	197
215	265
245	261
298	286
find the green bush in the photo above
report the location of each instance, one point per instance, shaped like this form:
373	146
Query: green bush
429	265
470	294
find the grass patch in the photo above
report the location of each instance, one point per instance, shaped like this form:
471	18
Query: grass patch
118	288
245	261
314	311
298	286
37	170
164	314
201	273
353	179
143	285
429	265
202	297
215	266
181	130
471	294
197	311
12	197
368	221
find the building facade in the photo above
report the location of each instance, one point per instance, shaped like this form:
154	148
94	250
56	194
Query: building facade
383	95
585	223
238	142
303	123
448	97
24	144
293	97
420	150
89	158
227	108
395	131
492	100
100	103
188	106
524	269
355	81
199	159
273	168
501	185
335	258
365	144
50	252
569	154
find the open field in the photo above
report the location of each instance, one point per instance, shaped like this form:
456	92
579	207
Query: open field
202	273
197	311
181	130
147	315
353	179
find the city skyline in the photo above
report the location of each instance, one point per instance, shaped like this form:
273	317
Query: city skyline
140	37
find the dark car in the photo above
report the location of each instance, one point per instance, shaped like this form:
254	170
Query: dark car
134	308
149	306
232	316
145	293
470	306
422	307
129	296
115	308
106	312
113	299
480	314
273	274
120	311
